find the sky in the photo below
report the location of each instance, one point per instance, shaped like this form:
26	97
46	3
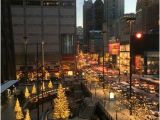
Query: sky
130	7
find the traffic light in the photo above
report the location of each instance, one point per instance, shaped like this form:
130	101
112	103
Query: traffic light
141	43
138	35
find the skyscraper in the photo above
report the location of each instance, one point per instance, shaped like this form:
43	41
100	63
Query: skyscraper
98	15
113	9
147	17
88	22
93	18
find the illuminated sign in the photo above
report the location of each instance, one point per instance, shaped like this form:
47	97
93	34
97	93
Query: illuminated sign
114	48
111	95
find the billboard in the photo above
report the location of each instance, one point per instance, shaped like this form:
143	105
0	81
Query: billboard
114	48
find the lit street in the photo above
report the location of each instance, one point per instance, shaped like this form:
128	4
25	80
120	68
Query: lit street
80	60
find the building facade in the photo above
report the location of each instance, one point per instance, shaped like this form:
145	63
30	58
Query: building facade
93	18
41	21
88	22
8	70
98	15
80	37
145	54
113	10
147	16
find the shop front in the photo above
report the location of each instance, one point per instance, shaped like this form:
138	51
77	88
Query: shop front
124	59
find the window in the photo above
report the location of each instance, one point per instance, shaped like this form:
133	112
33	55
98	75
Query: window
67	44
67	4
17	2
51	3
35	3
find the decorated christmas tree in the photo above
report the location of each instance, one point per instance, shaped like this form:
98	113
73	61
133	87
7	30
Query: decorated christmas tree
19	114
50	85
27	116
61	107
17	106
18	110
43	87
34	91
26	94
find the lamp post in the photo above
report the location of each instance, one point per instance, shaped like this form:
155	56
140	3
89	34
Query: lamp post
25	41
130	20
42	71
26	68
103	57
37	57
42	38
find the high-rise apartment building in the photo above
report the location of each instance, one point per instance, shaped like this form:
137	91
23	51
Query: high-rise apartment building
50	21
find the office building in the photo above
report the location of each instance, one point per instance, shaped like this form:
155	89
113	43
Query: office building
88	22
51	22
147	16
8	70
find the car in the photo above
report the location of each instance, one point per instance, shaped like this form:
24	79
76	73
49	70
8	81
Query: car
152	91
136	84
119	90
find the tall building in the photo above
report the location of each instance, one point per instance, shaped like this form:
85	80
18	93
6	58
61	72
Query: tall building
51	22
98	14
80	36
8	70
88	22
147	15
113	10
93	18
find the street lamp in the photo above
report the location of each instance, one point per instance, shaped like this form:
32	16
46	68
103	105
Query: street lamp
37	67
103	58
42	72
130	20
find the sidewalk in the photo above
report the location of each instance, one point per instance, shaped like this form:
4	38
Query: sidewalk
110	105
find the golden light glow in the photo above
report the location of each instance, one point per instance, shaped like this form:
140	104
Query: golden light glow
70	73
26	94
18	110
34	91
27	116
61	107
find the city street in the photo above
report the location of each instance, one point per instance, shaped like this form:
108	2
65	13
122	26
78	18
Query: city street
80	60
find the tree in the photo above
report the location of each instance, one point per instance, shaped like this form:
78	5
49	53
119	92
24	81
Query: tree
17	106
26	94
50	85
34	91
19	114
18	110
43	87
61	107
27	116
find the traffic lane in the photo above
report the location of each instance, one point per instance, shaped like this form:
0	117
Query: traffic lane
152	96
